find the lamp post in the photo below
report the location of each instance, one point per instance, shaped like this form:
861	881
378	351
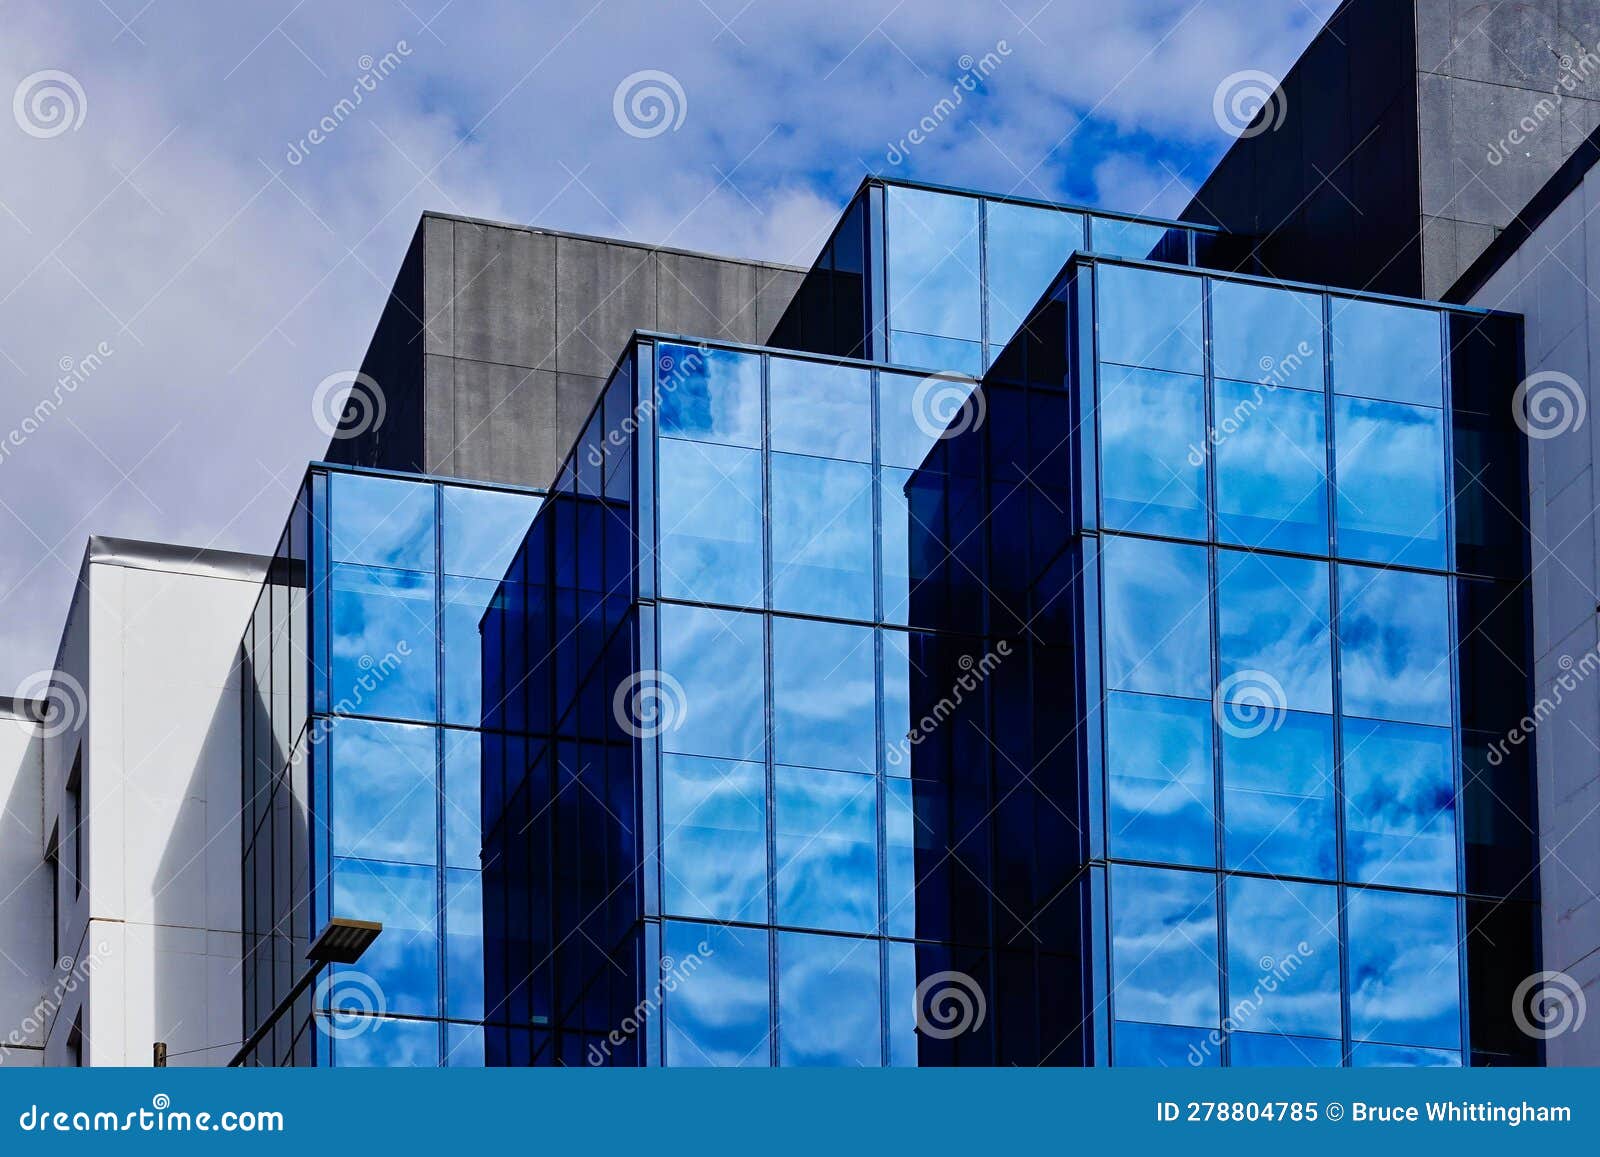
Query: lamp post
342	941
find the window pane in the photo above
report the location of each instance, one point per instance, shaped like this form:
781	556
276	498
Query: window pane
1151	319
383	645
821	410
829	1008
1157	618
719	1013
1261	334
916	413
1275	646
463	918
935	353
827	849
1277	801
1028	246
463	779
1404	969
1364	1056
933	263
823	695
710	395
821	536
1391	491
1119	237
1152	452
1400	810
1387	351
714	838
1161	1046
1394	638
404	961
385	795
1164	946
387	1044
1283	957
1248	1050
483	529
465	601
1271	456
716	661
710	523
1158	780
382	522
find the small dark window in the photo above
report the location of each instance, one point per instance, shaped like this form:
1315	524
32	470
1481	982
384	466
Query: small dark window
74	817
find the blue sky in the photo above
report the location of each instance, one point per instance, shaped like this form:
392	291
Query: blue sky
227	264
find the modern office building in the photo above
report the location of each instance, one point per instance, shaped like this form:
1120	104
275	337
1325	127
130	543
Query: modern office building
1031	635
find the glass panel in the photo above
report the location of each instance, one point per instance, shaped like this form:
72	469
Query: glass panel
938	354
1390	483
916	413
404	961
1394	639
1405	985
1400	810
1119	237
1275	648
829	1008
465	601
1365	1056
710	395
382	522
383	643
827	849
463	921
386	1044
821	410
1157	618
1161	1046
1164	946
823	695
718	1014
1261	334
1028	245
1158	780
1152	452
1277	801
714	838
1283	957
821	536
483	529
463	778
716	662
463	1046
1271	456
933	263
1249	1050
1151	319
1387	351
385	797
710	515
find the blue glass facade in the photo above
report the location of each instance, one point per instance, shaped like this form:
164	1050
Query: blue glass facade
362	672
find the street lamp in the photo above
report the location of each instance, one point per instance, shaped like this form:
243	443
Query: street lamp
343	941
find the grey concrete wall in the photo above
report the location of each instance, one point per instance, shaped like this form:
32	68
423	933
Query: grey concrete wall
1415	131
498	339
1552	279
